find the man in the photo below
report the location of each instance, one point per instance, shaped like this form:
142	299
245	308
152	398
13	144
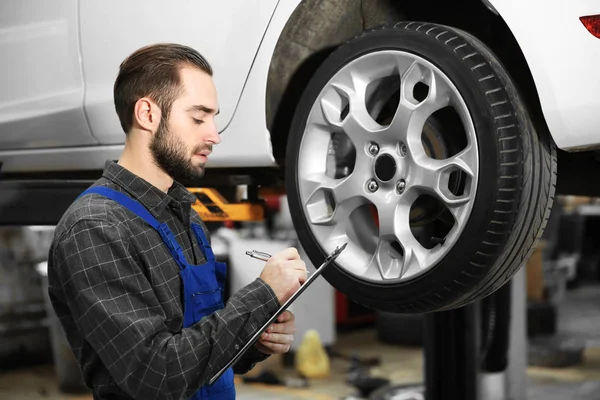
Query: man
132	275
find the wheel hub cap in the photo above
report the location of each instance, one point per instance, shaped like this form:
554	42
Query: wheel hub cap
385	167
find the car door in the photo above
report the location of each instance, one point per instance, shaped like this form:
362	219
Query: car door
41	86
228	33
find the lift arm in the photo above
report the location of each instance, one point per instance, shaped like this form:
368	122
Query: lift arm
213	207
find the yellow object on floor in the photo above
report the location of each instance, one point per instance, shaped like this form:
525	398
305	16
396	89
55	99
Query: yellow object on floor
312	361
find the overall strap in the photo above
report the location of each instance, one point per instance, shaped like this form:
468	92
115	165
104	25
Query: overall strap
143	213
126	202
204	243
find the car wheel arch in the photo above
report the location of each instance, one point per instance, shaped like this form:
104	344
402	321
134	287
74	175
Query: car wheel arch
290	70
297	54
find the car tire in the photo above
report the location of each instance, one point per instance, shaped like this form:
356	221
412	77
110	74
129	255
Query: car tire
508	192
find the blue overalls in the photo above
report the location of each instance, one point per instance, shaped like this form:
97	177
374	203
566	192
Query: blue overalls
203	285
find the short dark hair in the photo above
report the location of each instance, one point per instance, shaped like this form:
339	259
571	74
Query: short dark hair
153	71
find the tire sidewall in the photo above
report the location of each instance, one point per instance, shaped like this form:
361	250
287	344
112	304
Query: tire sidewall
403	296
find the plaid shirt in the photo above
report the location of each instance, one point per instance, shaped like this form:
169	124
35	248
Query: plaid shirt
118	294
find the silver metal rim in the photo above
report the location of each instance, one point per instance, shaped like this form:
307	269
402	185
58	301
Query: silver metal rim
335	208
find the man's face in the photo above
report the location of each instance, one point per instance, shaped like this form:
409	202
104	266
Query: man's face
182	144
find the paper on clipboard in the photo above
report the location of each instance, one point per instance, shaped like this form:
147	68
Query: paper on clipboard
281	309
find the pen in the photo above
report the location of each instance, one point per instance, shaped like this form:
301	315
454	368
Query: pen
261	255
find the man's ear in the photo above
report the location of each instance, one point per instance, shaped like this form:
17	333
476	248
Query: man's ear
146	114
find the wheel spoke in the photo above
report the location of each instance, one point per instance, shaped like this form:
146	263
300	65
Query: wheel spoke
411	115
330	219
466	161
357	124
398	250
434	175
347	194
330	113
390	263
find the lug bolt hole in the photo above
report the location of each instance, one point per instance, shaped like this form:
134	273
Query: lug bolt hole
402	149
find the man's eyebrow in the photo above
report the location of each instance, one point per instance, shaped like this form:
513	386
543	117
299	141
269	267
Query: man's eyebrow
200	107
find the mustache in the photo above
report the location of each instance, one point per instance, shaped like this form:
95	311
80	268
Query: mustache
203	147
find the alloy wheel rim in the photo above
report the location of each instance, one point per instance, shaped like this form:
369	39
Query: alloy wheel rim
353	160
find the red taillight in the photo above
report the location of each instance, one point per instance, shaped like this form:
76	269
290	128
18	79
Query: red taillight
592	24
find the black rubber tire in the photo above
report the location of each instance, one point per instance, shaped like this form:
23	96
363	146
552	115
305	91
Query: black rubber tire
516	183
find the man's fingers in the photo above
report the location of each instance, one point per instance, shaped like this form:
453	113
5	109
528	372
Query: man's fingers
263	349
274	348
282	327
299	269
302	276
281	338
299	265
291	253
286	316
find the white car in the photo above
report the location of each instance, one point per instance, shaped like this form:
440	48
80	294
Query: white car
430	150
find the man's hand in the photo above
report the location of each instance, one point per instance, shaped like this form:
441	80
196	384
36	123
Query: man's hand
278	337
284	273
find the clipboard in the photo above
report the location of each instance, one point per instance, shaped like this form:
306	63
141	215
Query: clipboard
280	311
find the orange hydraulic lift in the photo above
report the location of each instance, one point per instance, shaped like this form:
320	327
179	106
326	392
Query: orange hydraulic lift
213	207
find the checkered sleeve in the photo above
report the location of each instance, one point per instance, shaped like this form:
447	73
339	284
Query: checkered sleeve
115	308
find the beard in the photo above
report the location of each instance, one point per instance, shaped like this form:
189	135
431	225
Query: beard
170	154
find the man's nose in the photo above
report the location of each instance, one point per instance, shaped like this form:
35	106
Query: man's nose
213	134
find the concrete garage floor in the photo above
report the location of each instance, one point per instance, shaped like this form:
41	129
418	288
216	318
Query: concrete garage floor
579	315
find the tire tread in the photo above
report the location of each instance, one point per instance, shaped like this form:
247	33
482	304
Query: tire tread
517	186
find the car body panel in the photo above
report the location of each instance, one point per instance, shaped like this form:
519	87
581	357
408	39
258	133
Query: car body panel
83	158
111	30
228	33
245	140
249	125
41	96
564	59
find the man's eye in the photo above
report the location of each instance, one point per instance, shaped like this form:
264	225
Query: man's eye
197	121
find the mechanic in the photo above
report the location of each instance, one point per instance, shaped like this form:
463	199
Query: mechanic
131	272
